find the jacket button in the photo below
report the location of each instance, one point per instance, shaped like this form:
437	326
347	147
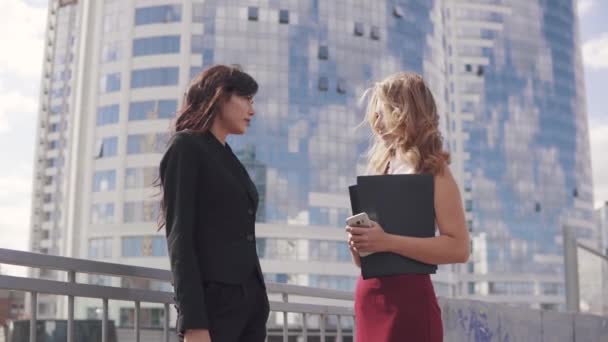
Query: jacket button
250	237
250	211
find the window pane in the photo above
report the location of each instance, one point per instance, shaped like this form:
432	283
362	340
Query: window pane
102	213
323	83
197	13
107	115
359	29
104	180
323	52
252	13
111	52
141	110
156	45
166	109
196	44
154	77
194	71
110	83
108	147
158	14
147	143
284	16
141	211
161	109
375	33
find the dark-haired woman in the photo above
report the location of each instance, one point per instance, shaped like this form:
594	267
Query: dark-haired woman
209	206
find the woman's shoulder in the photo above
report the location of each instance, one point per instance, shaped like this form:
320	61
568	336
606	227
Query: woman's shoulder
444	177
187	139
186	143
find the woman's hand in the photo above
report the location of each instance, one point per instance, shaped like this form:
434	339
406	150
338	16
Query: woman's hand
368	240
197	335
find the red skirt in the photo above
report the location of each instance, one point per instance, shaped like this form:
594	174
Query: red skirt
397	309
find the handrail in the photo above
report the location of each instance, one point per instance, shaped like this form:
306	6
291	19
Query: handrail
72	289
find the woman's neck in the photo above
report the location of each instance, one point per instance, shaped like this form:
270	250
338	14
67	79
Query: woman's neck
219	133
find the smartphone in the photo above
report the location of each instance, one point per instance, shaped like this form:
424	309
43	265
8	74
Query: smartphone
360	220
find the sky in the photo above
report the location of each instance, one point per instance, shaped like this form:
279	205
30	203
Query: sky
22	24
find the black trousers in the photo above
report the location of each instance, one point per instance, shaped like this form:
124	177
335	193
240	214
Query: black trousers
237	313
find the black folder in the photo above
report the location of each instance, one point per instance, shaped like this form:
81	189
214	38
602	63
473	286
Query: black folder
402	205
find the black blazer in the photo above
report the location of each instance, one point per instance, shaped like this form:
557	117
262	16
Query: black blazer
211	206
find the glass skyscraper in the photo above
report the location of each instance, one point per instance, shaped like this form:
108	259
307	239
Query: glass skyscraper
506	76
517	95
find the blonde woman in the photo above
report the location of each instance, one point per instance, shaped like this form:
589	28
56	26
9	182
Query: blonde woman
403	116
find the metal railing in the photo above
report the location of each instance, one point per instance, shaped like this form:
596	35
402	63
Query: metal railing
571	272
72	289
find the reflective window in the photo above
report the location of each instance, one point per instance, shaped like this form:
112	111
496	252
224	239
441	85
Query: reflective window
100	248
111	51
323	52
252	13
156	45
375	33
107	115
147	143
141	211
154	77
359	29
194	71
323	83
106	147
341	86
196	43
158	14
104	180
155	109
136	178
102	213
144	246
284	16
197	13
110	83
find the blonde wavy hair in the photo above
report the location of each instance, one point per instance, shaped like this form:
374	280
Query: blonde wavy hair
409	116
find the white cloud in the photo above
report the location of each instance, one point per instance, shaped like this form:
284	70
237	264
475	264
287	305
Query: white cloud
599	160
15	195
22	35
584	6
13	104
22	28
595	52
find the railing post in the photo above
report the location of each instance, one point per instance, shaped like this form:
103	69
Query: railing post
33	318
166	323
322	317
305	326
137	314
285	335
571	270
71	279
104	321
339	329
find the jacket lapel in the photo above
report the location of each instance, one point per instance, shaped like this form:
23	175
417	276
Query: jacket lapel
235	167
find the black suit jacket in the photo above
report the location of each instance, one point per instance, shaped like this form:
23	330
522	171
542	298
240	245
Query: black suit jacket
211	206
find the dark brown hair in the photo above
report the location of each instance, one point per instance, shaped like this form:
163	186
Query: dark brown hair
207	92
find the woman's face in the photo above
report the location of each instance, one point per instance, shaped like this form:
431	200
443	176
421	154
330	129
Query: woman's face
380	127
236	114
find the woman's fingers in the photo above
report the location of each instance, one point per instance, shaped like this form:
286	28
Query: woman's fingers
358	238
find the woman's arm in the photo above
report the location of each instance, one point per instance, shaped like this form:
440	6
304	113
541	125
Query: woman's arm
179	171
452	244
